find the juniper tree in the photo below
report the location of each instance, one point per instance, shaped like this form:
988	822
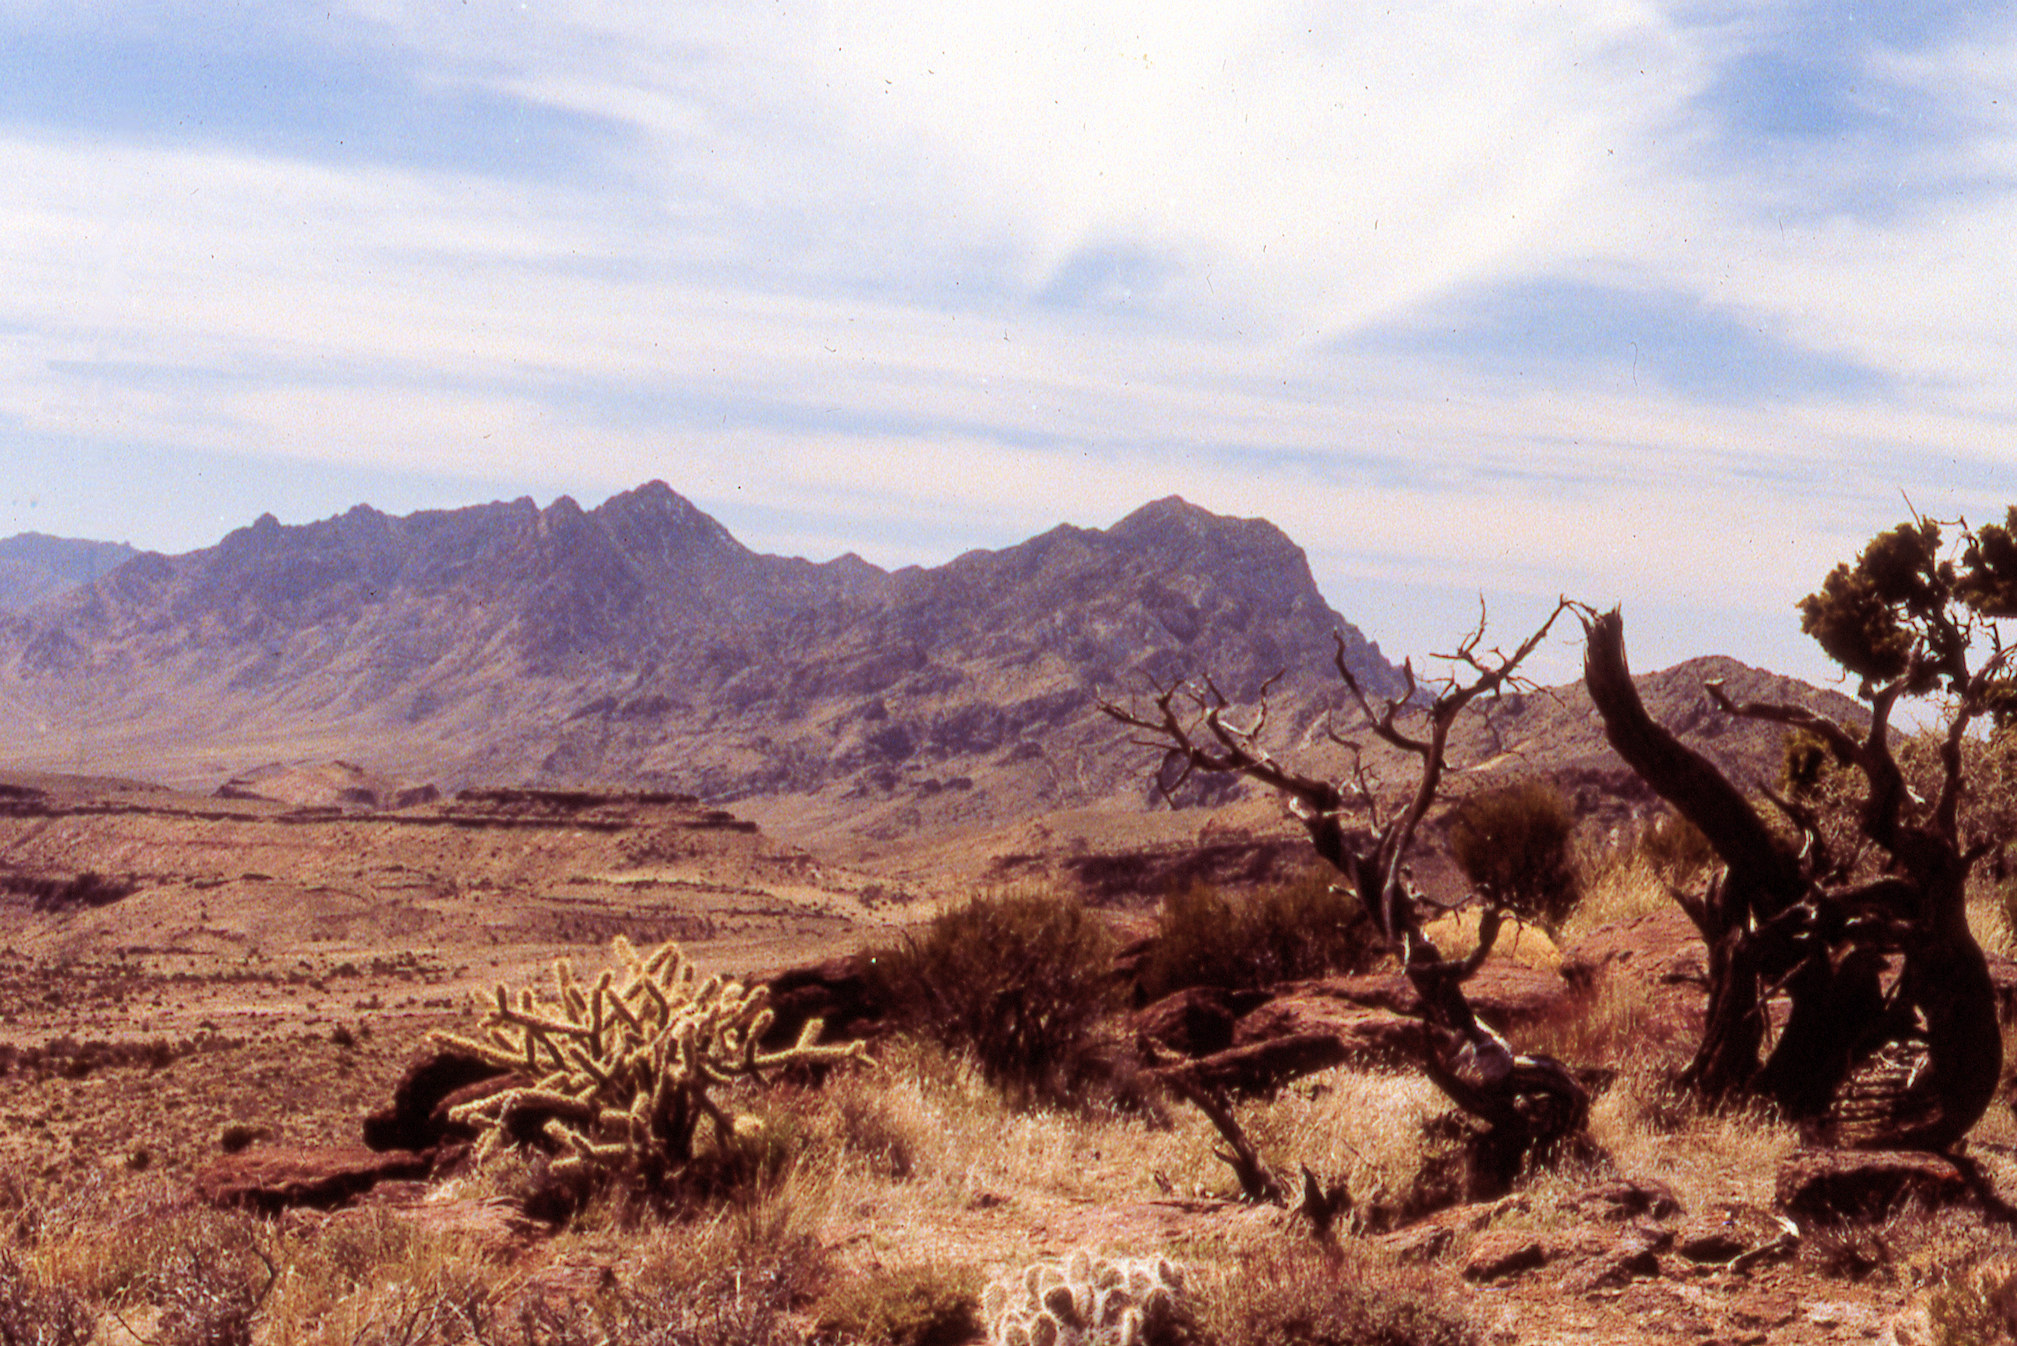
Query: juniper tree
1890	1033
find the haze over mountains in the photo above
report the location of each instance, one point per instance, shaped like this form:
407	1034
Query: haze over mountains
639	643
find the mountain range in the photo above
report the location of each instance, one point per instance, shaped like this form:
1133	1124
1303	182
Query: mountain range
35	567
639	644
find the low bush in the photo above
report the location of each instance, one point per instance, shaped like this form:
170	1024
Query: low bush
1514	843
1676	849
1301	1298
933	1305
35	1314
1307	928
1018	981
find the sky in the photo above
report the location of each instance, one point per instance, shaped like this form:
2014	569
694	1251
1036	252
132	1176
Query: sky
1671	306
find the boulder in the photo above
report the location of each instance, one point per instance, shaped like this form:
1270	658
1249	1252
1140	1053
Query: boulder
1503	1253
837	991
415	1118
275	1178
1505	993
1858	1185
1197	1020
1626	1199
1725	1232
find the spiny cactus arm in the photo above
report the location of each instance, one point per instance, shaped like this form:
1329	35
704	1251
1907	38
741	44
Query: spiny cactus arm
490	1053
532	1019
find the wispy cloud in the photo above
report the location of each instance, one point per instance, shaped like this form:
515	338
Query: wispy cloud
1663	303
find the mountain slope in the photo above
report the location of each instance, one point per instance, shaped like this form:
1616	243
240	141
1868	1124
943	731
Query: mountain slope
639	643
35	567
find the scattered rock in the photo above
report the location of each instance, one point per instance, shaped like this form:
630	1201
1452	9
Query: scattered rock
277	1178
1503	1253
1866	1184
1625	1199
1725	1233
1198	1020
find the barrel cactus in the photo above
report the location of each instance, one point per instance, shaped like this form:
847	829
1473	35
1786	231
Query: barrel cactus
616	1077
1087	1301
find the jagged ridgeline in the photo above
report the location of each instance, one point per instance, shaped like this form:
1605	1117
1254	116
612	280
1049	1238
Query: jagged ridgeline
639	645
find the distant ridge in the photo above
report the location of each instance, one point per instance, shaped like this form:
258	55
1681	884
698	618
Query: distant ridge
640	644
35	567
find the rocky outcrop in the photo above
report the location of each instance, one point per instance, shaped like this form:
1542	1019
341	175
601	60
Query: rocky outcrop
1256	1041
274	1178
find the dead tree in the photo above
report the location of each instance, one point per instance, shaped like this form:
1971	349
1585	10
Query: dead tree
1526	1103
1890	1030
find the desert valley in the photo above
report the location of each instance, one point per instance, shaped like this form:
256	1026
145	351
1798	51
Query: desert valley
1135	1064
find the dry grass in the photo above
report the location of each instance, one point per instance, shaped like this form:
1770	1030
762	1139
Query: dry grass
1620	884
1704	1154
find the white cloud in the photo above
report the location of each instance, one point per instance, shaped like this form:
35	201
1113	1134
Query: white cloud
806	273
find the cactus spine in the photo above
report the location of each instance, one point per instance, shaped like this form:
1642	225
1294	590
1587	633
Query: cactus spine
1086	1301
618	1074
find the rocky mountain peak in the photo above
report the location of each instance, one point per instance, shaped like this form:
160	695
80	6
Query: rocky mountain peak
639	643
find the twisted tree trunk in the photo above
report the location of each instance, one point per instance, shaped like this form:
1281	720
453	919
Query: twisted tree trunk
1773	927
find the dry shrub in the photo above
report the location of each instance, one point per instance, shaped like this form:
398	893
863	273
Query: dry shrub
1307	928
1620	883
1283	1297
728	1280
1513	842
371	1276
1017	981
123	1246
1612	1021
736	1315
932	1305
1375	1131
210	1291
1649	1124
33	1313
1975	1305
874	1127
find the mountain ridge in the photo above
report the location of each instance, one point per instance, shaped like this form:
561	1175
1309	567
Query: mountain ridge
640	643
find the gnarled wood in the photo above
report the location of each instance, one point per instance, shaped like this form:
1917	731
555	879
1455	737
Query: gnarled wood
1528	1103
1774	925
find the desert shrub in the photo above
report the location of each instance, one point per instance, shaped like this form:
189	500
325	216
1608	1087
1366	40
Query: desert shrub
730	1279
210	1292
1017	981
35	1314
1975	1305
50	893
1675	848
870	1125
1300	1298
932	1305
1513	843
1307	928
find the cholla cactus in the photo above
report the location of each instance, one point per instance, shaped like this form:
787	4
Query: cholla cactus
620	1073
1087	1301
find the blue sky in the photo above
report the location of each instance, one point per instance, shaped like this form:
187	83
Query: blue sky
1671	305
